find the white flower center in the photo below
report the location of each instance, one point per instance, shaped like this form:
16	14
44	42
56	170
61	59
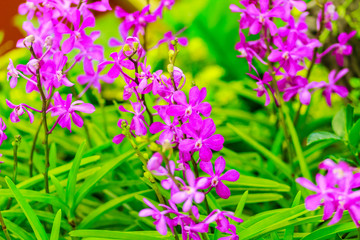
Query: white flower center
198	144
188	111
214	181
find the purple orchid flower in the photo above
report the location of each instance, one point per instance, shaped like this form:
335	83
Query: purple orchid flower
187	110
93	78
12	74
78	34
330	15
136	20
335	191
138	122
262	84
262	17
119	138
331	87
288	54
190	192
247	51
168	37
221	219
193	229
170	130
64	109
341	49
19	111
203	140
28	8
120	61
3	136
53	72
301	87
160	218
216	179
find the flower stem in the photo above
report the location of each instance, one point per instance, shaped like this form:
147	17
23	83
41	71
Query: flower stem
15	144
31	161
3	226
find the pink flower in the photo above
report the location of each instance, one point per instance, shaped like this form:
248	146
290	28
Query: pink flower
216	179
190	192
3	136
138	121
201	138
332	88
330	15
65	109
19	111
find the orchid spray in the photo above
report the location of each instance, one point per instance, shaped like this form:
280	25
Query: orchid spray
187	139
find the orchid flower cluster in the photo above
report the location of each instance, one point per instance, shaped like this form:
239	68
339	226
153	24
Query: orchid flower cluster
56	46
286	50
337	191
184	126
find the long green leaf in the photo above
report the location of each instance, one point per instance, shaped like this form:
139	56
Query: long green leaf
94	179
330	231
55	231
139	235
262	150
240	206
28	211
70	188
90	219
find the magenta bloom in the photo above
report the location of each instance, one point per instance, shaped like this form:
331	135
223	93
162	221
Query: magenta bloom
220	217
120	61
195	105
3	136
288	54
301	87
64	109
168	37
78	34
119	138
190	192
202	138
341	49
260	18
28	8
160	218
337	191
138	121
330	15
19	111
263	84
332	88
170	131
12	74
215	179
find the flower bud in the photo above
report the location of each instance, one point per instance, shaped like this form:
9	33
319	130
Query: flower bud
126	48
33	65
170	68
174	42
30	39
136	45
48	42
171	55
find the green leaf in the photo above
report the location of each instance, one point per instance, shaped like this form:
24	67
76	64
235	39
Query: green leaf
94	179
28	211
354	135
257	184
349	118
55	231
240	207
53	156
251	198
104	234
263	151
59	189
262	227
322	136
289	232
338	123
70	188
18	231
329	231
93	217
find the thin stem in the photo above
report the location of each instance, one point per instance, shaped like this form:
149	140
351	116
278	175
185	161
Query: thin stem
3	226
281	101
31	161
15	144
